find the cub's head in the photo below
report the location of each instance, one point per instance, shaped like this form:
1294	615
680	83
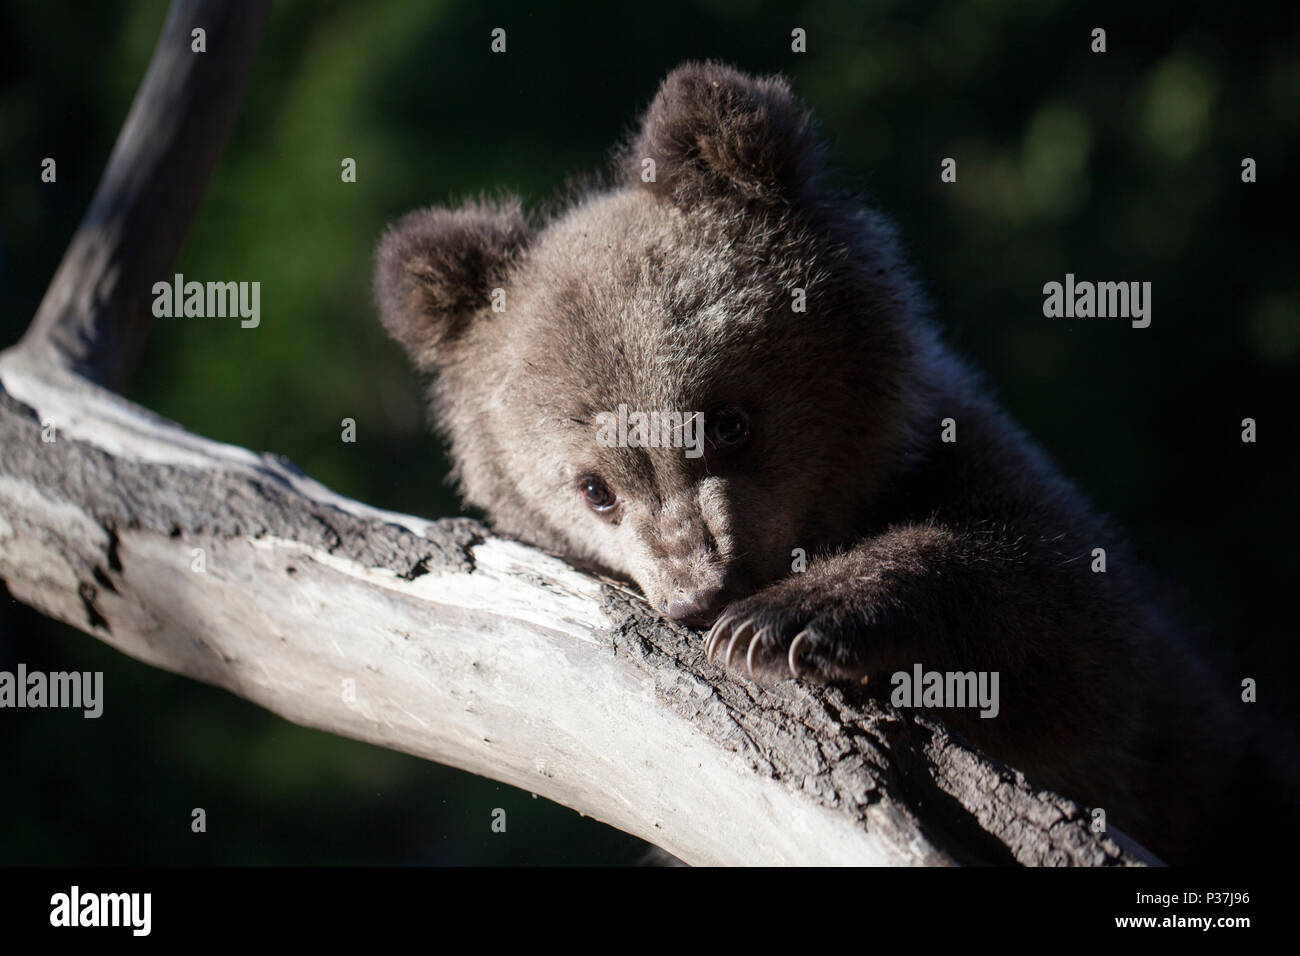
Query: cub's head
681	379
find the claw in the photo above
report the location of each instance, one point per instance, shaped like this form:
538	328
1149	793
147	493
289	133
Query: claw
745	627
720	631
720	627
793	657
749	656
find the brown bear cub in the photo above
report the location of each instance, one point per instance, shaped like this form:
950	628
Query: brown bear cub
809	411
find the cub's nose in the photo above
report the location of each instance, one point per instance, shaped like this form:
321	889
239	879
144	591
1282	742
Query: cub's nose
697	609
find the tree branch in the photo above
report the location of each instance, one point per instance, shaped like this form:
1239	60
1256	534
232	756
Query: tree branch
477	652
96	315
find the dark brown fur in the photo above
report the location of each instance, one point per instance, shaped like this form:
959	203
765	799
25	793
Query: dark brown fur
676	295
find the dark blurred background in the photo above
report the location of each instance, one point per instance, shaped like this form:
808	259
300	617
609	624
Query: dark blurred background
1119	166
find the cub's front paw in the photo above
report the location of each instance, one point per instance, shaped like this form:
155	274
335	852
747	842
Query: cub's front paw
797	628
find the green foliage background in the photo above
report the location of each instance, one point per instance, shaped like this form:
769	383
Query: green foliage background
1117	166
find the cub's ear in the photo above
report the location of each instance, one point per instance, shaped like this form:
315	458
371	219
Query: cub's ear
712	130
435	269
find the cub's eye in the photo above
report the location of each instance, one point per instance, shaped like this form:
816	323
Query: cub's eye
727	427
599	496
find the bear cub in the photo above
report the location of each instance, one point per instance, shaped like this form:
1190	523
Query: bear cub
719	286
